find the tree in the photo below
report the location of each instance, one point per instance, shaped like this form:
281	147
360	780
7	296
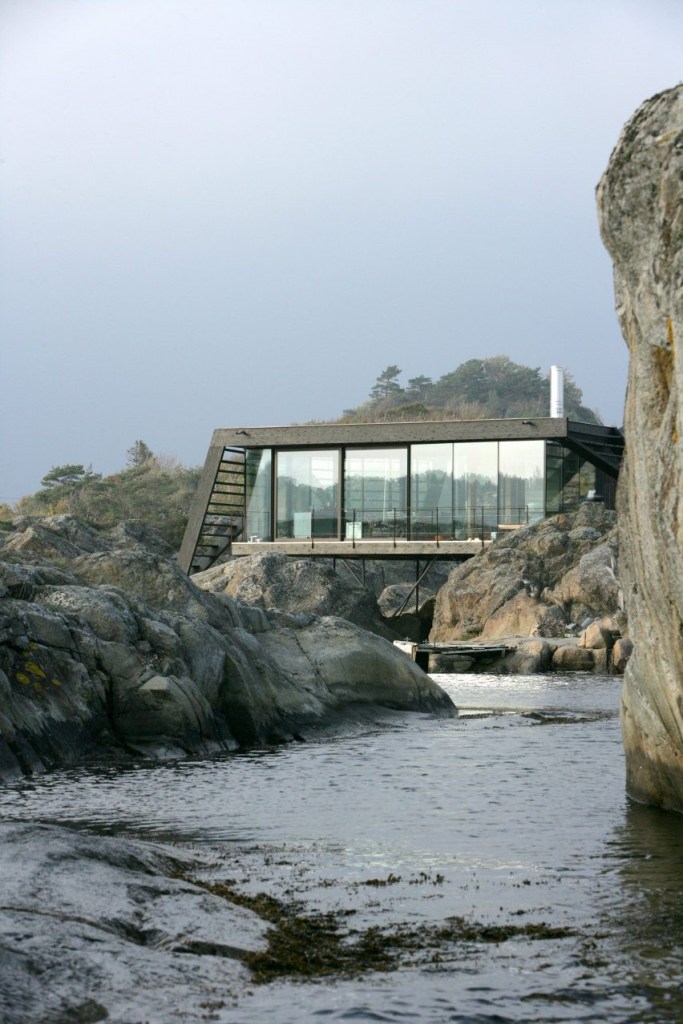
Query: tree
418	387
60	475
387	385
468	383
154	495
494	387
139	454
573	401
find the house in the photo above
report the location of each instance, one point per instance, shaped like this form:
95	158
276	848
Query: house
396	490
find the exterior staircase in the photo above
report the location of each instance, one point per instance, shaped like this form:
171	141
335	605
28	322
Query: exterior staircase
223	520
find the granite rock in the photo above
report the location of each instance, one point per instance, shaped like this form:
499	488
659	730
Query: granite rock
312	586
640	206
536	581
100	928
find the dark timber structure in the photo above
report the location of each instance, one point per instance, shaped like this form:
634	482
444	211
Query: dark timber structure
392	490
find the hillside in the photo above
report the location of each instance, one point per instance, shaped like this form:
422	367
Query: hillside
477	389
152	490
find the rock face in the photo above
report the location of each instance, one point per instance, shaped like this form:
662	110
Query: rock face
99	928
313	586
536	581
640	204
115	649
274	581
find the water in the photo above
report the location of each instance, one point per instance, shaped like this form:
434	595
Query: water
512	814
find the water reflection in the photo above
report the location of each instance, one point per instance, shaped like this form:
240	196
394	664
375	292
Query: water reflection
650	845
648	850
640	916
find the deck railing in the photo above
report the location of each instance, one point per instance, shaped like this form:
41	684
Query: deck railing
440	523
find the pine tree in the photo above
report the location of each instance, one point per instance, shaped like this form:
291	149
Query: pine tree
418	387
387	385
70	473
138	454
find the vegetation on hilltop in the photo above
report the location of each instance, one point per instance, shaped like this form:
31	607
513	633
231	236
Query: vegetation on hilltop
477	389
153	490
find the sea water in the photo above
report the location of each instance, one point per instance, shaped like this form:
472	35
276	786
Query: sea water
513	813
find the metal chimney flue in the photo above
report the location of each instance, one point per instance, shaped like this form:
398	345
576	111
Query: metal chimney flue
556	392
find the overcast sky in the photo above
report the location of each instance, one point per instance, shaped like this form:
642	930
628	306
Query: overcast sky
233	212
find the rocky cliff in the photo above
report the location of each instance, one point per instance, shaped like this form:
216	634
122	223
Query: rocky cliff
640	205
107	647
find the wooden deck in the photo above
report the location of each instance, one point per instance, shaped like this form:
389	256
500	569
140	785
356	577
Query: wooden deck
420	652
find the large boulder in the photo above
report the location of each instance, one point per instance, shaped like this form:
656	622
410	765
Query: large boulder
536	581
640	204
121	652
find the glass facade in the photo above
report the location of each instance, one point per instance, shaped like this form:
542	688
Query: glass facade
454	489
431	490
475	489
375	492
451	490
307	493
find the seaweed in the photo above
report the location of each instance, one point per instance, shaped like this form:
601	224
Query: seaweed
303	945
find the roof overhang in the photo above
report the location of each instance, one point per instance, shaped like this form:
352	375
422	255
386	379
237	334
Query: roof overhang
603	446
321	435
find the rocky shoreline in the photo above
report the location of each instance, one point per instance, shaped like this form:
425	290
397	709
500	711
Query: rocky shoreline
600	648
108	649
97	928
551	589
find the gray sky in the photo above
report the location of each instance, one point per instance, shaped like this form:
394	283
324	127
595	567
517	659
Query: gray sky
222	212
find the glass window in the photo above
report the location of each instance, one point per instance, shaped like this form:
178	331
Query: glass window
258	493
431	490
569	478
587	479
554	474
521	482
307	494
375	491
475	488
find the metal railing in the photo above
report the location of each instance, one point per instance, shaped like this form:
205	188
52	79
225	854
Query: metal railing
440	523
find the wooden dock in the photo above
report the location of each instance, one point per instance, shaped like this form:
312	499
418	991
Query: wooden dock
420	652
